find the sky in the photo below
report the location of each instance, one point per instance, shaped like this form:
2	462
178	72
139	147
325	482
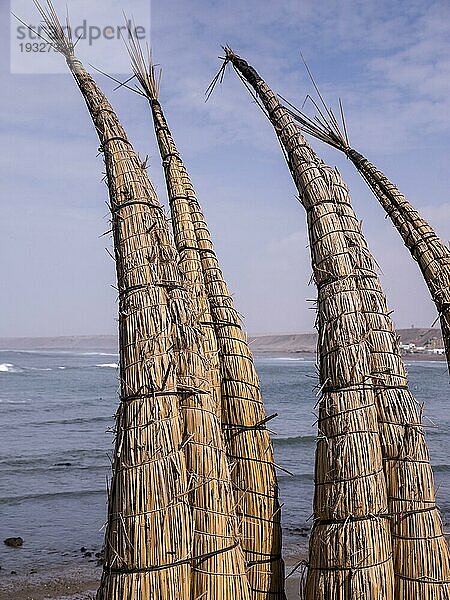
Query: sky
388	61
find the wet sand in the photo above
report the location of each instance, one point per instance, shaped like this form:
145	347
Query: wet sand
70	583
81	583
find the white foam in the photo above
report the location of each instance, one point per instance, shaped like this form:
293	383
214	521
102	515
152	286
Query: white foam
7	368
108	365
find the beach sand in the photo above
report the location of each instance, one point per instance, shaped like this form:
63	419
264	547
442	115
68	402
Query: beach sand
81	583
70	583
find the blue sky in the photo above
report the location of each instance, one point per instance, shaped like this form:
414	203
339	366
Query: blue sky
390	64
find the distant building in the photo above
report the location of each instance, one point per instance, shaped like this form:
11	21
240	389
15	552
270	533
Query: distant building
436	351
408	347
433	346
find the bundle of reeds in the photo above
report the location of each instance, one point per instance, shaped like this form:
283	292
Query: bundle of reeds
243	417
420	553
183	228
411	490
221	570
244	422
152	537
416	525
421	558
430	252
350	547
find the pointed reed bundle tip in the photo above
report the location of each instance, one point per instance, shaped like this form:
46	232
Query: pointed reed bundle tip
239	64
218	77
53	32
229	53
146	72
324	125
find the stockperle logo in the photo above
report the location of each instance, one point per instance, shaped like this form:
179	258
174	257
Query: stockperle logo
99	30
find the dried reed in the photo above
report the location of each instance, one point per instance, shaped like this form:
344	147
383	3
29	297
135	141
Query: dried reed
350	546
431	254
421	559
418	559
221	572
151	531
243	417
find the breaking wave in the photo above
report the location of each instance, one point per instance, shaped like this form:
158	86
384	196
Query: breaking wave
8	368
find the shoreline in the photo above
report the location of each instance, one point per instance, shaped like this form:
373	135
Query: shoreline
291	354
68	582
75	578
80	582
416	343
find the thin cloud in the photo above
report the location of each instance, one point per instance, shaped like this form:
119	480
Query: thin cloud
388	61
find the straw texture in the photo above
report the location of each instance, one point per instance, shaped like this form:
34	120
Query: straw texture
148	537
243	417
152	538
216	525
420	551
215	521
148	549
244	421
431	254
350	546
421	557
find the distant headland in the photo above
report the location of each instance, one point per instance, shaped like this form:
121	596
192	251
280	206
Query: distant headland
419	342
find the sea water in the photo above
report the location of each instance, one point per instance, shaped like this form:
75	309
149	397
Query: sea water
56	422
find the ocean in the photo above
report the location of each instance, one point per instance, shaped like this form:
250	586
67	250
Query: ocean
56	417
